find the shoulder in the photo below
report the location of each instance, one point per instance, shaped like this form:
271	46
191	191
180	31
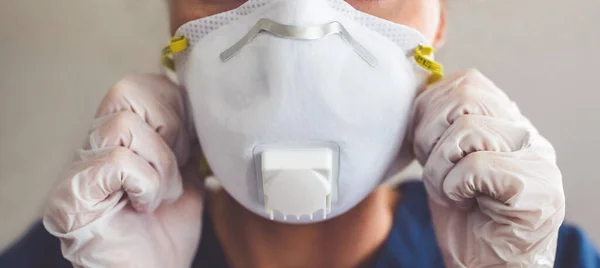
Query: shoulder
37	248
575	249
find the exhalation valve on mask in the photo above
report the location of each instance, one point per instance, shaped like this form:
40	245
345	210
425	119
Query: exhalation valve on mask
297	180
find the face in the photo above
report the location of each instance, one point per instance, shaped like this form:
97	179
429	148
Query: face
426	16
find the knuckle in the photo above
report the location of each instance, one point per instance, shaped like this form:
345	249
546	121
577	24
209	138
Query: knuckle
125	85
473	73
171	122
169	126
465	122
170	165
476	84
473	77
150	186
465	92
169	162
126	120
120	155
476	160
113	101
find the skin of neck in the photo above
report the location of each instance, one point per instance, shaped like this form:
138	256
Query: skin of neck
349	240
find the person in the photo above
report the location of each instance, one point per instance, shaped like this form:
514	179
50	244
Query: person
300	97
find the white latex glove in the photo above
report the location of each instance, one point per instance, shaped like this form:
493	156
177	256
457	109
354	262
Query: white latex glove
123	202
495	192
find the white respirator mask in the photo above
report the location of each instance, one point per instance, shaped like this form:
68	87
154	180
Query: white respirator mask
300	106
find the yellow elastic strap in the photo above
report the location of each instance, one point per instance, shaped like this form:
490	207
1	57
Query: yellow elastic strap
178	44
422	57
203	167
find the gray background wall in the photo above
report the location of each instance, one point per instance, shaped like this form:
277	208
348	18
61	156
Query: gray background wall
59	57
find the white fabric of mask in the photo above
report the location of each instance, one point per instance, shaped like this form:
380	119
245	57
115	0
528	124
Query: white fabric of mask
285	92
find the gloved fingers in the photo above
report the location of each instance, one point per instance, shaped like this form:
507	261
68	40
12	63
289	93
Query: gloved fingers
519	207
128	130
440	105
468	134
520	202
133	174
158	102
520	188
186	213
95	185
473	239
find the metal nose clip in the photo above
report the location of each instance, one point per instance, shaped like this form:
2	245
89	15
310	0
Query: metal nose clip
299	33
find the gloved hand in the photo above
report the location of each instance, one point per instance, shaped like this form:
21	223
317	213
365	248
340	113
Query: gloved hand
125	202
495	192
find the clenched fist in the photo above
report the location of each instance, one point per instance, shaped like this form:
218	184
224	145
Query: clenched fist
495	191
131	199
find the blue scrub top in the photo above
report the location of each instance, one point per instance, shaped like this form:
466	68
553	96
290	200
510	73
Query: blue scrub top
411	243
